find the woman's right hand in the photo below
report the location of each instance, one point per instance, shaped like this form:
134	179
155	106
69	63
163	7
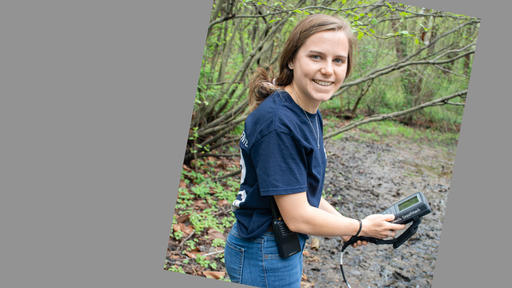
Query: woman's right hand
380	226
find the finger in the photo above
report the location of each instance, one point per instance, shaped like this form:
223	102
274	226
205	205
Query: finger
389	217
357	244
393	226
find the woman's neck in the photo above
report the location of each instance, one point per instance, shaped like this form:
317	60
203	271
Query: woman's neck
308	106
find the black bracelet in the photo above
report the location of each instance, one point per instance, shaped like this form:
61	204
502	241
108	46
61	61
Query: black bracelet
360	227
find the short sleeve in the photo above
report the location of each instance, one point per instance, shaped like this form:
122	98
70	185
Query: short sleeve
280	164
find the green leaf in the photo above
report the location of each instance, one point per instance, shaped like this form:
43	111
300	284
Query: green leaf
359	35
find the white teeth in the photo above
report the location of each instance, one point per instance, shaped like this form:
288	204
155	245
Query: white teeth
322	83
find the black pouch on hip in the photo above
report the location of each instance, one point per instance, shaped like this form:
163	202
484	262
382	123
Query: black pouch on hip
287	241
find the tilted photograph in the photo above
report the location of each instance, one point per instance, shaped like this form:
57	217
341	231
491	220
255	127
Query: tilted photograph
322	143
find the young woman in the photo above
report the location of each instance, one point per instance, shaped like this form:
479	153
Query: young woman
283	157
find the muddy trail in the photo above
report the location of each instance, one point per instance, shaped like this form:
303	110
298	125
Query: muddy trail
363	178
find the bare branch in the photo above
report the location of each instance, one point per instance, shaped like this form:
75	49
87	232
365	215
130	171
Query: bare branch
228	115
376	71
221	83
439	14
455	50
185	240
397	66
223	143
451	72
217	21
218	155
450	103
230	17
440	101
213	253
439	38
204	132
241	73
234	173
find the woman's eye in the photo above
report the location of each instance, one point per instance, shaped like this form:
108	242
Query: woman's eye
315	57
339	60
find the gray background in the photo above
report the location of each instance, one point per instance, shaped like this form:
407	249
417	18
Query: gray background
96	97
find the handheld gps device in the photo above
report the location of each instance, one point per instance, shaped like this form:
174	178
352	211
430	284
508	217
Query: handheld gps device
406	210
409	208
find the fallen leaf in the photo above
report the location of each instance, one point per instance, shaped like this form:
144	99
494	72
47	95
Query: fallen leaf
214	234
315	243
187	229
222	164
182	218
305	253
183	228
200	204
192	254
214	274
223	202
304	277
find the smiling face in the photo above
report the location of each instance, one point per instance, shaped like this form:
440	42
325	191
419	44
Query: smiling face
319	69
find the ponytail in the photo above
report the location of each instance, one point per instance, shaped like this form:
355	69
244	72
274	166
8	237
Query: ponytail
260	87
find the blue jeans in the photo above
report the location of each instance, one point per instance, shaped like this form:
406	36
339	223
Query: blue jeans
256	262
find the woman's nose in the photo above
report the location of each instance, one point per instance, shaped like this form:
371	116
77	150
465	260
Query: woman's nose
327	68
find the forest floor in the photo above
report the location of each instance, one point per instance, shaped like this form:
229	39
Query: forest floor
364	175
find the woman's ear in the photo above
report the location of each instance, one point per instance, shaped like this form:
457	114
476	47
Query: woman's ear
290	65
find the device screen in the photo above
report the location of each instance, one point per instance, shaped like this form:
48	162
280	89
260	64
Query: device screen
408	203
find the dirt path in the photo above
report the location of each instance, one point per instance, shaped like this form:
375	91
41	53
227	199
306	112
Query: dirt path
363	178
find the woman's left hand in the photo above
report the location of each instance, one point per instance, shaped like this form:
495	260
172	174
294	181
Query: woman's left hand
356	244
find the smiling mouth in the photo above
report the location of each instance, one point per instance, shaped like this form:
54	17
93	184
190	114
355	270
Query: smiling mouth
323	83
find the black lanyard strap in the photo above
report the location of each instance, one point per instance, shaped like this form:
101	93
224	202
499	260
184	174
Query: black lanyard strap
397	242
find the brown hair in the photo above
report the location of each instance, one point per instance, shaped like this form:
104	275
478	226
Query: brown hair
261	86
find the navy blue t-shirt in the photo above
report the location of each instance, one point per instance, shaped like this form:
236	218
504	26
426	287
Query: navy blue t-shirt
282	152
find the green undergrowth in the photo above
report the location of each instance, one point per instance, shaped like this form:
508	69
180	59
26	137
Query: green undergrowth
389	130
202	217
